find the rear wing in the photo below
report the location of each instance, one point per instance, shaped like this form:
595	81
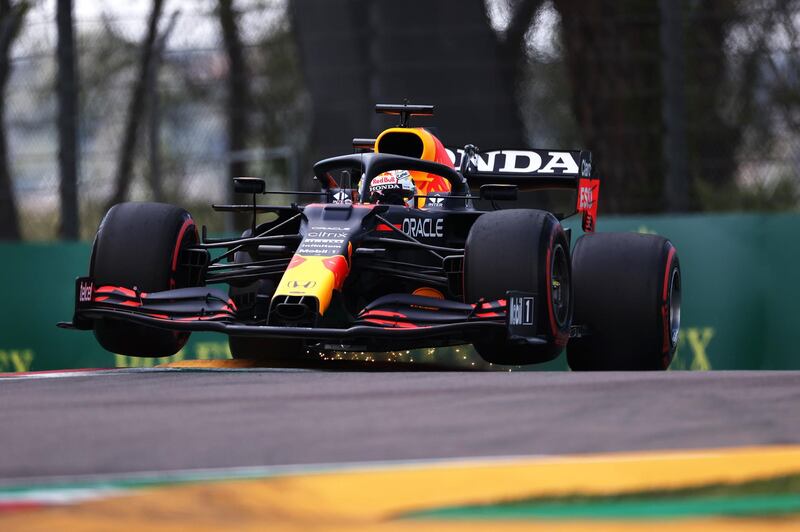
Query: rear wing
535	169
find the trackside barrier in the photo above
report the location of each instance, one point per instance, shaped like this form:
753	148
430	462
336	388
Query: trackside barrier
740	297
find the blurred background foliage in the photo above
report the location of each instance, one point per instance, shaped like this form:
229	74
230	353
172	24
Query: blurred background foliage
687	105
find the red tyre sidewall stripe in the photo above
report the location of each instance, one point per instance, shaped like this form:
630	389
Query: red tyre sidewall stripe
181	337
390	324
664	302
175	252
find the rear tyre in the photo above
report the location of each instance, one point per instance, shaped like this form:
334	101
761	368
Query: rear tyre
628	295
138	245
527	250
261	350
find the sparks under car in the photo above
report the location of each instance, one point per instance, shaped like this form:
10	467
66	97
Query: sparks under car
392	254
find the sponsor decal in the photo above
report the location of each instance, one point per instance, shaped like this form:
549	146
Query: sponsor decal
588	194
586	168
424	227
323	241
540	162
337	235
16	360
692	351
520	310
387	186
437	201
85	291
384	180
301	284
342	197
585	198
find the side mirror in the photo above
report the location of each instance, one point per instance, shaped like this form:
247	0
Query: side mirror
248	185
363	145
499	192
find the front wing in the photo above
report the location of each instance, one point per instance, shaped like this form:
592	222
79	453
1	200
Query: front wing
396	317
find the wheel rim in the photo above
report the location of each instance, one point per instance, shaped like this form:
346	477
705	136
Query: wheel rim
674	303
560	285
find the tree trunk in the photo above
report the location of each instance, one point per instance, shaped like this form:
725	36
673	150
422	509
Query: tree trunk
611	49
238	97
154	104
11	19
713	139
67	89
136	109
673	109
358	53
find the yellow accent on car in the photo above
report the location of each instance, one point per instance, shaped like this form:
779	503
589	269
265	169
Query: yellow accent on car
427	291
412	142
310	278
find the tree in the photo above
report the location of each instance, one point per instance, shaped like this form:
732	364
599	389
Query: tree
713	138
136	109
748	107
660	97
359	52
612	49
67	89
154	104
12	17
239	99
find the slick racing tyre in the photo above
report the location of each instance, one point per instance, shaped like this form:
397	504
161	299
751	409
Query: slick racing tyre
261	350
138	245
628	301
526	250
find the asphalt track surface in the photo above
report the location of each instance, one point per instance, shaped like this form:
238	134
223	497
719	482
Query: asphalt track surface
171	420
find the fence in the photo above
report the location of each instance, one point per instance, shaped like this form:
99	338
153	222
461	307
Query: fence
740	61
183	134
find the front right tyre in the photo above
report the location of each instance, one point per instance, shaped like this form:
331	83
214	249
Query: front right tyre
138	245
525	250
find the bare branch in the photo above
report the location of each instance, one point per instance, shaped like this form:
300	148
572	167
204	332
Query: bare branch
135	110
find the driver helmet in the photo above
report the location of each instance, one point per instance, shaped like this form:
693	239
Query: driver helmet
395	187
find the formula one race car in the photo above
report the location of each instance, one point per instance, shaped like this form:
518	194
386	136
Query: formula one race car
401	260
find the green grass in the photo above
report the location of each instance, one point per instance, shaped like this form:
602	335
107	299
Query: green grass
765	497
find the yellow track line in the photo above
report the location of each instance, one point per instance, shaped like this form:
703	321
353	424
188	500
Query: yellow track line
365	499
226	363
